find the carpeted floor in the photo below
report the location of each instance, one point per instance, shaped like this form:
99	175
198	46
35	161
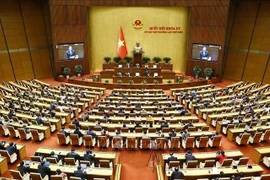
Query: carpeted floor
134	163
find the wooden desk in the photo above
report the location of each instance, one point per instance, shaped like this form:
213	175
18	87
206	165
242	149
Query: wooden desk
55	122
63	153
175	90
17	86
234	85
6	89
3	165
139	79
139	90
260	153
234	132
69	170
203	112
258	89
246	87
98	89
31	84
41	82
202	156
44	129
194	174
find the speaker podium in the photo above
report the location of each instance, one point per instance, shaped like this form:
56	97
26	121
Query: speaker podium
137	58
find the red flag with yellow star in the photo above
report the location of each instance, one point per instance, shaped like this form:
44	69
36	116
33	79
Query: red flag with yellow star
121	48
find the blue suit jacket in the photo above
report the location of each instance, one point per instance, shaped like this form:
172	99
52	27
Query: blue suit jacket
70	53
80	174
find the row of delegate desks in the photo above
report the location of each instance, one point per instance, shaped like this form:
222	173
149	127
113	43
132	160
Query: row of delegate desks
202	156
177	127
56	122
92	173
117	119
221	124
151	135
176	90
234	132
62	153
196	173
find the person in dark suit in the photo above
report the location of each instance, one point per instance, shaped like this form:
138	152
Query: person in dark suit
44	170
177	174
80	173
171	158
64	131
77	131
11	148
73	154
39	120
89	156
76	123
22	169
189	156
204	54
70	53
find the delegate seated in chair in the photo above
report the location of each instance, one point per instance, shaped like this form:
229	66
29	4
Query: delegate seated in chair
44	170
89	156
242	139
220	156
73	154
189	156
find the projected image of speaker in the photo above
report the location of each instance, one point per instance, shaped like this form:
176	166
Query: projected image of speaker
205	52
70	51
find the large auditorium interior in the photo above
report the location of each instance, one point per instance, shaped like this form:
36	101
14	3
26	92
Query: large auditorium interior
135	89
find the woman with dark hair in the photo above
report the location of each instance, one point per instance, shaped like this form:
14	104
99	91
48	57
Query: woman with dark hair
62	174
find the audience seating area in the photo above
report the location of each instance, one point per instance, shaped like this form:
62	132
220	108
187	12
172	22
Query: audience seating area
148	119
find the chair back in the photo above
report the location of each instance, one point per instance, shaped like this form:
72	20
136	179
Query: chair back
104	163
189	142
75	139
205	128
203	142
72	126
242	125
138	130
209	163
56	177
124	129
35	134
227	162
175	142
265	177
15	174
244	139
88	140
165	129
117	142
145	143
131	143
243	161
61	138
192	164
257	137
266	135
174	164
85	162
230	126
152	130
191	129
74	178
161	143
2	130
69	161
52	160
22	133
12	132
36	158
5	154
35	176
217	140
102	140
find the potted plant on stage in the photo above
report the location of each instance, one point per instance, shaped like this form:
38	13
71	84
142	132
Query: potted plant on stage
106	81
128	59
145	60
107	59
78	70
167	60
66	72
144	81
180	79
169	81
119	81
156	59
117	59
208	72
196	71
131	81
155	81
